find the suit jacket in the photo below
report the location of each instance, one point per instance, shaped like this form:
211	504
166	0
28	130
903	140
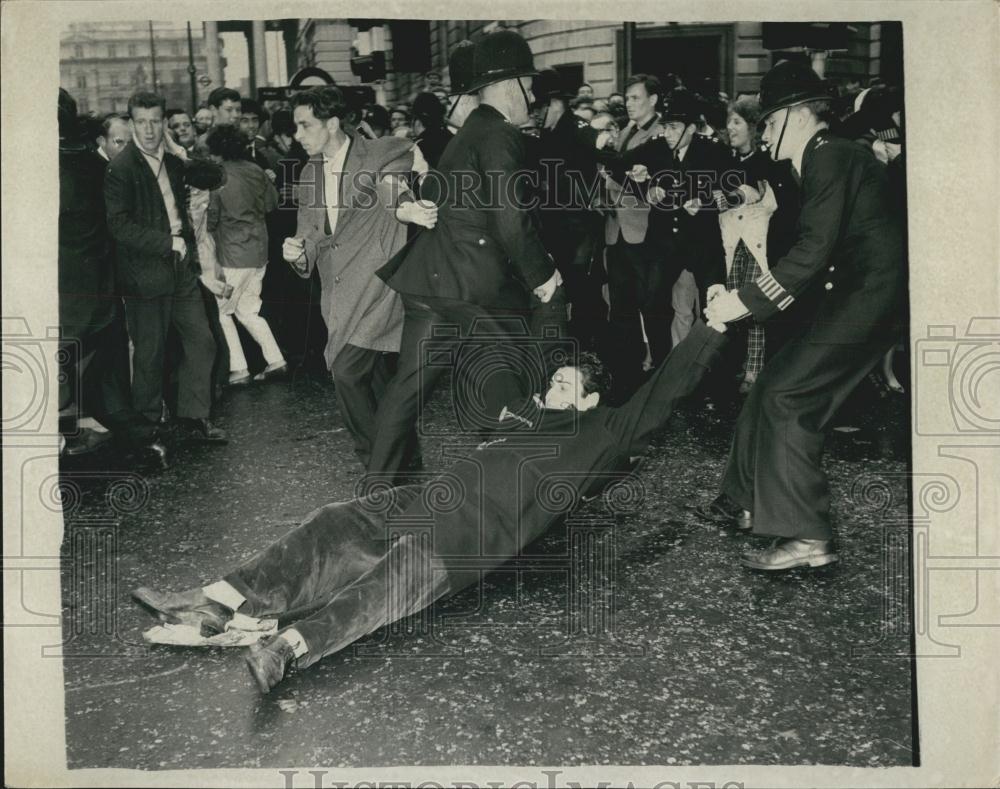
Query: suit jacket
847	263
86	262
485	248
630	214
138	222
357	306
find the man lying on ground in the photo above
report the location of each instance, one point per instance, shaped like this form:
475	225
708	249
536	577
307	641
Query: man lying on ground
341	575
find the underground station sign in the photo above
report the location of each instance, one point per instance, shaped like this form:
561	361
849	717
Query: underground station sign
311	77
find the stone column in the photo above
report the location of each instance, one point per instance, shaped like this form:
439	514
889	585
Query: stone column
259	54
213	55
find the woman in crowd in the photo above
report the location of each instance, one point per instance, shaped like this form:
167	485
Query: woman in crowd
236	217
757	218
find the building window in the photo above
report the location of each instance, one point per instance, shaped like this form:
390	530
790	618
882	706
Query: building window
112	52
131	50
175	48
77	51
114	80
81	105
81	80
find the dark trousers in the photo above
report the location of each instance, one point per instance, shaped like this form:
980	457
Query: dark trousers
640	281
94	377
149	325
440	335
360	377
577	251
774	467
342	575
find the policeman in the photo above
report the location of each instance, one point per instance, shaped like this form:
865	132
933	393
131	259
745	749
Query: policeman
567	170
480	264
681	169
845	271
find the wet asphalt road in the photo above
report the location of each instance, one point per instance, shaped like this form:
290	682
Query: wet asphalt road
689	660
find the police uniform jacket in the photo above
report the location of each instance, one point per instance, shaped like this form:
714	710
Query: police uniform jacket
846	265
692	240
485	249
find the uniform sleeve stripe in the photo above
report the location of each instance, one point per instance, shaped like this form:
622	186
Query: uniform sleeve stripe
772	289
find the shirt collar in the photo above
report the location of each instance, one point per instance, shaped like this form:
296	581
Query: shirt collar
160	151
329	161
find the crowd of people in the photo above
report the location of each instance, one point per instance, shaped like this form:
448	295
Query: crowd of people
661	242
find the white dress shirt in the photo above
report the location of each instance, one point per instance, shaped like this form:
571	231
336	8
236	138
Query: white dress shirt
155	162
333	168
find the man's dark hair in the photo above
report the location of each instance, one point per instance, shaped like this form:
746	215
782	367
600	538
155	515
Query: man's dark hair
594	376
251	107
176	111
581	101
282	123
227	142
325	101
377	116
650	82
92	129
69	127
612	96
219	95
146	100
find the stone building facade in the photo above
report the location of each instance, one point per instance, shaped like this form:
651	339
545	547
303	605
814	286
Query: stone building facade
102	63
730	57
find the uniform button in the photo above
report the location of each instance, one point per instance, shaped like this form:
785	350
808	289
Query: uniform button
828	286
482	242
740	216
675	230
336	279
833	268
758	246
336	246
435	275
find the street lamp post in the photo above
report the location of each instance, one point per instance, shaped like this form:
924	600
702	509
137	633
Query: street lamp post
152	53
191	73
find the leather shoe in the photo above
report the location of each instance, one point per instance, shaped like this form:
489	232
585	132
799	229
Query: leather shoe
191	608
269	661
88	441
275	370
206	431
724	510
786	554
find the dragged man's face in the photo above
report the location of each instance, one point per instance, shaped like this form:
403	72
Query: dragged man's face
566	391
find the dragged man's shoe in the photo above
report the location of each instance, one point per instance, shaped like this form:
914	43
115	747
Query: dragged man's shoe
89	440
725	511
275	370
269	661
191	608
786	554
204	430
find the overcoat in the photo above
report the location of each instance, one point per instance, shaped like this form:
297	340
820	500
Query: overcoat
86	274
356	305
